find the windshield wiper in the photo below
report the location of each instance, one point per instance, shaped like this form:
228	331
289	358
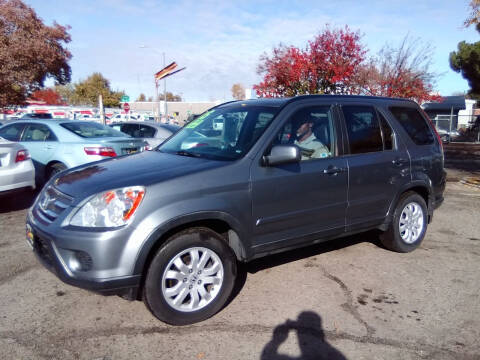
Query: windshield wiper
187	153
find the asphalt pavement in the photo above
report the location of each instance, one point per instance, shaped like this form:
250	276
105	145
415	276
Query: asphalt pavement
345	299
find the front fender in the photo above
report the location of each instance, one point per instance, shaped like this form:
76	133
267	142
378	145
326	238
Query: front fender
236	239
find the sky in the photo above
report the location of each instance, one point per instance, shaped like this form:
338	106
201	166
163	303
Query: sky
220	42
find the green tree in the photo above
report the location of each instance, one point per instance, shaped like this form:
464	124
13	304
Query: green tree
466	60
86	92
30	52
142	97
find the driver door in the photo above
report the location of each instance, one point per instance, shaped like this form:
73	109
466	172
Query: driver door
298	202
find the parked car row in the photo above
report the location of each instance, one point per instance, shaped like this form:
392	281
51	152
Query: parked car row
56	145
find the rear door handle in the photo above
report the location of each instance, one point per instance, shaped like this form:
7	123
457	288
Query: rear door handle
399	162
333	170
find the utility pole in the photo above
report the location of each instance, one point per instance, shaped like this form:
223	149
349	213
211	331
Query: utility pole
157	118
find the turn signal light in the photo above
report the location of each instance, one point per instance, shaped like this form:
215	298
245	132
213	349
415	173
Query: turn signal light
102	151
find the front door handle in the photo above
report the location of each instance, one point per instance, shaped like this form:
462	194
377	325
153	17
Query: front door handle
333	170
48	147
399	161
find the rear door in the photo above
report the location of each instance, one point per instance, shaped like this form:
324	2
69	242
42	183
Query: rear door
40	140
42	144
292	203
378	164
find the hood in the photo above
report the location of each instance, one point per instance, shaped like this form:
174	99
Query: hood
146	168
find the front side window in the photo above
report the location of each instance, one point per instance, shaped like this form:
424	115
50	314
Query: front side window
312	130
414	124
225	133
130	129
12	132
87	129
38	132
146	131
363	129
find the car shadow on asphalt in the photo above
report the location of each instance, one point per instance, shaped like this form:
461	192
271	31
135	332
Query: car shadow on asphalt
311	340
282	258
17	201
311	250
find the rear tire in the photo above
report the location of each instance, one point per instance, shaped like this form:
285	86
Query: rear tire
190	278
55	169
409	224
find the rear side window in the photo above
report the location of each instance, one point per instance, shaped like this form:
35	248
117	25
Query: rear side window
38	132
363	129
414	124
12	132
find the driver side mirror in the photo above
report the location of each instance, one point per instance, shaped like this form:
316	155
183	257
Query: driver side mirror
282	154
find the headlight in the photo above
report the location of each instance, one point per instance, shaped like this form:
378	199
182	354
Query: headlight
109	209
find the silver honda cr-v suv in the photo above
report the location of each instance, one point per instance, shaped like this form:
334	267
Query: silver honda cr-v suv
243	180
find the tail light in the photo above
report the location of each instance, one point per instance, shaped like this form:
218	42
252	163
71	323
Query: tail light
22	155
102	151
148	148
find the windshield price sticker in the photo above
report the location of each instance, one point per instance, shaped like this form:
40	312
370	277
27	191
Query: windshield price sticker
198	120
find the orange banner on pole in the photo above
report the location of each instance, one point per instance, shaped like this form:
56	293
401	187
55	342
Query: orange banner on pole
165	71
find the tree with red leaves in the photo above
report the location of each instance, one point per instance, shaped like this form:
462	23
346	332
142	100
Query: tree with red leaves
30	51
334	63
327	65
49	96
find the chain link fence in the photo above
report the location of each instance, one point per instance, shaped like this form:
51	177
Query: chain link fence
458	128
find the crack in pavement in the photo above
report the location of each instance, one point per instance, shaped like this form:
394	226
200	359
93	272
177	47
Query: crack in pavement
349	305
54	342
16	273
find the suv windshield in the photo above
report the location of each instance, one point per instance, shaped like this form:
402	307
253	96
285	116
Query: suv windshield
224	133
87	129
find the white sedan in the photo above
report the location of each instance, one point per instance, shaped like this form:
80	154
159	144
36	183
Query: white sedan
16	167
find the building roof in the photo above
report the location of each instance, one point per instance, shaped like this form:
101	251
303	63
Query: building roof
447	103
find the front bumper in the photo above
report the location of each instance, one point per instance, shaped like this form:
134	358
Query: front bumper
54	255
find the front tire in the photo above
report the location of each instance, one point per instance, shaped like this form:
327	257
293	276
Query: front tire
409	224
190	278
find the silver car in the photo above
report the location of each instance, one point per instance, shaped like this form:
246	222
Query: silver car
16	167
153	133
59	144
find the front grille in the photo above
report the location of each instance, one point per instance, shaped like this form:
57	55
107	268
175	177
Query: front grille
52	203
